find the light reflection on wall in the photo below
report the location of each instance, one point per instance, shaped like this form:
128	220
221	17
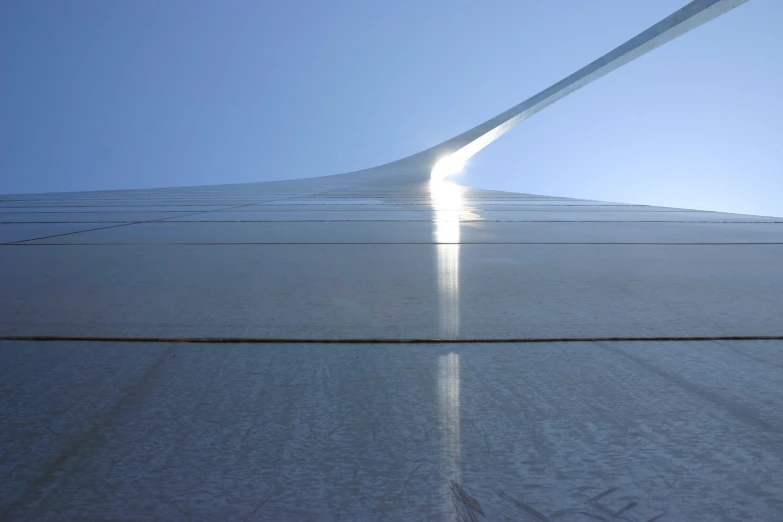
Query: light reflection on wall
447	205
446	200
449	428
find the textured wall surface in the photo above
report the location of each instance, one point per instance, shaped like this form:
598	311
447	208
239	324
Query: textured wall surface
583	412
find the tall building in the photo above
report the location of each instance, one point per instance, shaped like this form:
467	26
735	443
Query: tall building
390	345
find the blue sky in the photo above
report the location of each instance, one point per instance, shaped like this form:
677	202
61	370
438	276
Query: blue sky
103	94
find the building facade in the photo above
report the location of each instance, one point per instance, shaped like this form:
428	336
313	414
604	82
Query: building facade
389	345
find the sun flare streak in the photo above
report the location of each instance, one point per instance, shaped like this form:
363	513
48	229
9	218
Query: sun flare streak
446	198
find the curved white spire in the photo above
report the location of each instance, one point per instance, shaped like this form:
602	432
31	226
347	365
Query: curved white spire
459	149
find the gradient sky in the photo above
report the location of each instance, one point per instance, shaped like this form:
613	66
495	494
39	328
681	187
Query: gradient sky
101	94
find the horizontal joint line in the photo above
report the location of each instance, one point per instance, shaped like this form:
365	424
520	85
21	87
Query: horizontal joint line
289	340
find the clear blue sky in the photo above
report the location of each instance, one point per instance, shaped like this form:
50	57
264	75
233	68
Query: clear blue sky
101	94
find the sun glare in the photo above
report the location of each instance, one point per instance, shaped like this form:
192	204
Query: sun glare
446	166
